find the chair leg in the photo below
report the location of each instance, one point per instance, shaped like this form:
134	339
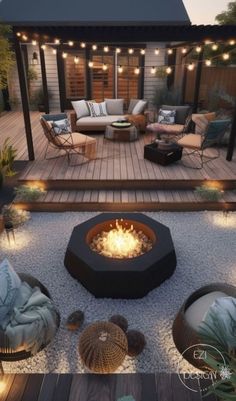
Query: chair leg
1	369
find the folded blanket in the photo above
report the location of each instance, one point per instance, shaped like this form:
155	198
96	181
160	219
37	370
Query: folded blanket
33	322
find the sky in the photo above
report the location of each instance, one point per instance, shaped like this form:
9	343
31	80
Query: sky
204	11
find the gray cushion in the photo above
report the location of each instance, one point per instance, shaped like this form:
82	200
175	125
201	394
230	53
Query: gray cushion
81	108
115	106
139	107
132	104
182	112
97	121
9	287
197	311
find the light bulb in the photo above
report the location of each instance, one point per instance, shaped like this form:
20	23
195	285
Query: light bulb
214	47
64	55
232	42
208	62
57	41
157	51
83	45
184	50
168	70
170	51
137	70
120	69
131	51
118	50
34	42
90	64
76	60
153	70
71	43
142	51
198	49
18	34
43	47
54	51
104	67
24	37
94	47
191	66
106	49
225	56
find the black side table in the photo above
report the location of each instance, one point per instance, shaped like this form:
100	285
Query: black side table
160	156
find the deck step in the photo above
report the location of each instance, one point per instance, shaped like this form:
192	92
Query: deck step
126	200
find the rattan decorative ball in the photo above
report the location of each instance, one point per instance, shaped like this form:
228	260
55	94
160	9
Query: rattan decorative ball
75	320
136	342
120	321
103	347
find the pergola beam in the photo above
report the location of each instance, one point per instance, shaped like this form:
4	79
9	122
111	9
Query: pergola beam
44	79
24	98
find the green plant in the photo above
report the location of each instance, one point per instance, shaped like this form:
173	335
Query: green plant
172	97
32	75
228	17
217	95
7	157
6	55
209	193
14	215
26	193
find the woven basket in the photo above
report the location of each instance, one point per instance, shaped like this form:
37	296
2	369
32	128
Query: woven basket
103	347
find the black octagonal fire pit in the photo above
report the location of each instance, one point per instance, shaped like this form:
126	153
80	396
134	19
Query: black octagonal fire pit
120	255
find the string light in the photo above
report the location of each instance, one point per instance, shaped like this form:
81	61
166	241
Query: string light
24	37
232	42
157	51
57	41
71	43
120	69
64	55
94	47
198	49
225	56
18	34
104	67
118	50
90	64
83	45
137	70
208	62
207	42
153	70
214	47
54	51
106	49
191	66
76	60
184	50
142	52
131	51
34	42
170	51
43	47
168	70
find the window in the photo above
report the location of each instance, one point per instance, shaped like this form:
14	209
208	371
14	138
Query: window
102	81
128	83
75	76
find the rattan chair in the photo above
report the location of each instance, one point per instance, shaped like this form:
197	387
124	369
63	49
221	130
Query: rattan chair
197	143
184	335
71	142
6	353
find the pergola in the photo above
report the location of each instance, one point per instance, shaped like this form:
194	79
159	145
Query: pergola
113	34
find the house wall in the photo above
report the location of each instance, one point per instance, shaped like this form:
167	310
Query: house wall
151	82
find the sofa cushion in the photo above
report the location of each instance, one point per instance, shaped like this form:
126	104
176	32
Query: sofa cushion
97	121
132	104
182	113
81	108
198	310
115	106
97	109
61	126
201	121
166	116
139	107
191	141
78	139
9	286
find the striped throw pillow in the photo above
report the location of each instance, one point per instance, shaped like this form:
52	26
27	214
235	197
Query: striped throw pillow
97	109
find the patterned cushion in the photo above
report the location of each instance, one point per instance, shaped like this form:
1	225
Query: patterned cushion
97	109
9	286
61	126
182	112
166	116
201	122
81	108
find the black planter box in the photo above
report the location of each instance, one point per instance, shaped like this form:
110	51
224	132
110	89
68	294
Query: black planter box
163	157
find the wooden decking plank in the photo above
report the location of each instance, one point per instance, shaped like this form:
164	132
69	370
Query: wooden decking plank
32	388
8	380
18	388
48	387
63	386
127	384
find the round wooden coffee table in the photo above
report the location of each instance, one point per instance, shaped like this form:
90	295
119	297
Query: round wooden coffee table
128	134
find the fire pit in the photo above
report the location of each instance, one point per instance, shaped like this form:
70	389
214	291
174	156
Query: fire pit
122	255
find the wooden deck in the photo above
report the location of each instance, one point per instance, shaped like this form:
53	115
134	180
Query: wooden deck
119	179
139	387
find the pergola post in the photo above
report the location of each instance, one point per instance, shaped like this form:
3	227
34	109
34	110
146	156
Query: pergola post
44	79
232	138
197	82
24	98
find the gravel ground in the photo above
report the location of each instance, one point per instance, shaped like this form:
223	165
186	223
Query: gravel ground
206	253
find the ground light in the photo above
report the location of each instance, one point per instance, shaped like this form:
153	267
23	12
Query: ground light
226	219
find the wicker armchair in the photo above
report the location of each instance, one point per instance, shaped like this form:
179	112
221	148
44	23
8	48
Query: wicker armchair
6	353
184	335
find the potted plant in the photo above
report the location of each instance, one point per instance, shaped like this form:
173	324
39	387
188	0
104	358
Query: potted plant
7	157
38	99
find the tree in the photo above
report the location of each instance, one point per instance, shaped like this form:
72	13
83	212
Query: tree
6	55
228	17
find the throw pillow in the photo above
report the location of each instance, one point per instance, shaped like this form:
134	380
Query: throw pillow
115	106
182	112
81	108
166	116
139	107
201	122
132	104
9	286
61	127
97	109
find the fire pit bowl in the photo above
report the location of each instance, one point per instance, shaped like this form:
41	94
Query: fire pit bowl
127	273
